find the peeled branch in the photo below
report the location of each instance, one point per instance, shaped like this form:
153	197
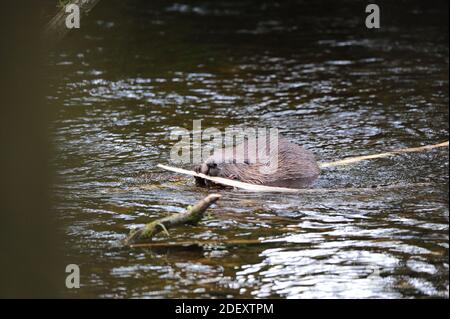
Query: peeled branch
356	159
350	160
192	216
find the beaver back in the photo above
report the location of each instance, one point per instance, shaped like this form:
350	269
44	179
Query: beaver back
294	165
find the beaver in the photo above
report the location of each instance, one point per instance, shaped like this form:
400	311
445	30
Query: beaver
294	166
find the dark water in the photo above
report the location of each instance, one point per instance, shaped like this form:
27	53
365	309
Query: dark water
137	69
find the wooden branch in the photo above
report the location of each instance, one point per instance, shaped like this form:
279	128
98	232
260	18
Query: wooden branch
230	182
351	160
56	29
187	243
192	216
263	188
272	189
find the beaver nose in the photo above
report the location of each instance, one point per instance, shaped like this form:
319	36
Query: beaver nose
204	169
212	169
208	168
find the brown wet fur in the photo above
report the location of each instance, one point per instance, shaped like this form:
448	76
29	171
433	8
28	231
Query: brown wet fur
297	166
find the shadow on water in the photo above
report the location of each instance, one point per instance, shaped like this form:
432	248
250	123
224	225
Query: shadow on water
139	69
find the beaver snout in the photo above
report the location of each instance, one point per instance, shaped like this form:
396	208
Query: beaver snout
213	169
208	168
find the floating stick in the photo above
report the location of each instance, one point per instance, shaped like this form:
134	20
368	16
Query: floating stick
263	188
230	182
272	189
351	160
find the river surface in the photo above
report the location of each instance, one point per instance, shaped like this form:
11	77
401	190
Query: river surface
136	70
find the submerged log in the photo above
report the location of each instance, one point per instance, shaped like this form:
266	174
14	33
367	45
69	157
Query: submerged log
201	243
192	216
